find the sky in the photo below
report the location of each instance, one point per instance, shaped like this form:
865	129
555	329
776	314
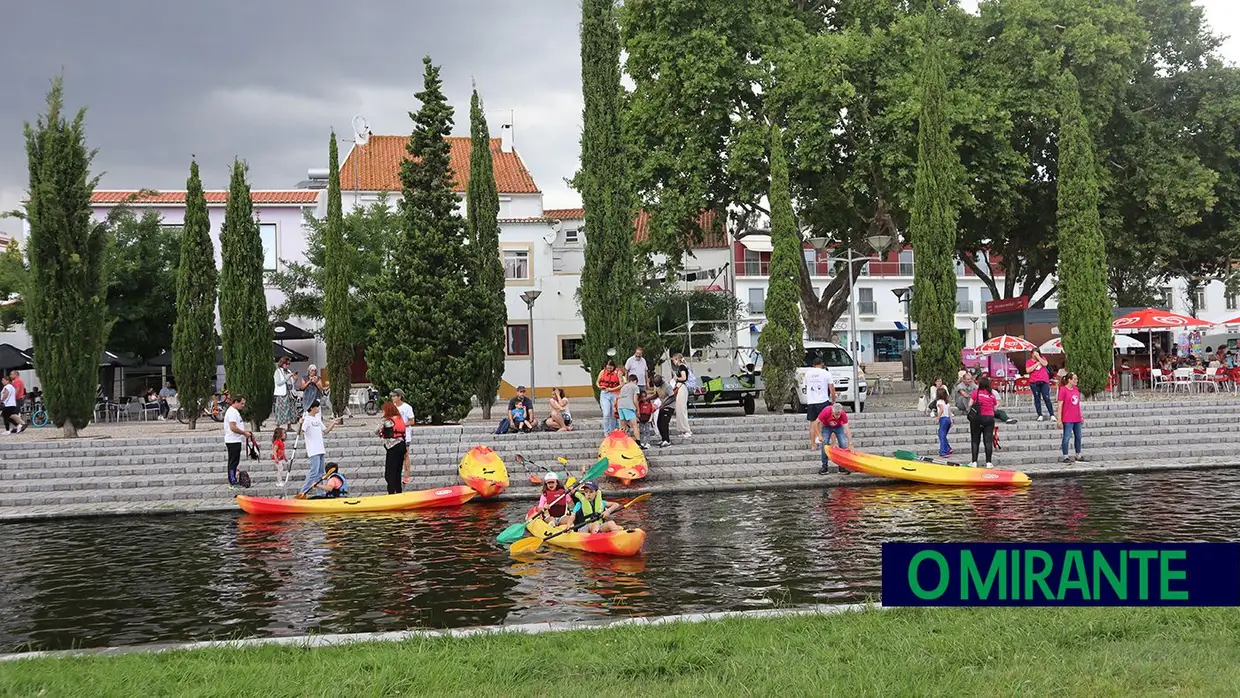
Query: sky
266	80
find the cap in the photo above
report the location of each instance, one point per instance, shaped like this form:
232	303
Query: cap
590	485
398	393
551	476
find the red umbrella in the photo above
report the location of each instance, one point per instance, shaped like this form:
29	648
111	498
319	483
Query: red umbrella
1154	319
1233	321
1004	344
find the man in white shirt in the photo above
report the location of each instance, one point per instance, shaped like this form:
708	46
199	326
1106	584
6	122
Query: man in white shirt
235	435
406	415
819	390
636	366
313	428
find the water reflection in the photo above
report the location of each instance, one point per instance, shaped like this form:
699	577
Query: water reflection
115	581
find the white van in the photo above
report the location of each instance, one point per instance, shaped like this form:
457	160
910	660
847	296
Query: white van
837	360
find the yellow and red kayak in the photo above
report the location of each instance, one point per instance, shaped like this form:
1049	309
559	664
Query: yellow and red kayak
625	459
620	543
484	471
929	473
455	495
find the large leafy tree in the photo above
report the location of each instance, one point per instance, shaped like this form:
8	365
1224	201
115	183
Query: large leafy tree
337	328
487	272
193	331
666	310
780	342
370	232
932	226
243	303
1084	306
65	299
422	306
142	285
607	296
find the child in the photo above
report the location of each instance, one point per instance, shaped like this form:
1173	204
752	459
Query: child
553	505
590	503
333	483
835	420
283	472
943	409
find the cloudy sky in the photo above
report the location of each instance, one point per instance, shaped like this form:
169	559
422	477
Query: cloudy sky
267	79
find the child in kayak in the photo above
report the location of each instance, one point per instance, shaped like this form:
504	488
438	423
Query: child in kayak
553	506
333	483
835	421
593	508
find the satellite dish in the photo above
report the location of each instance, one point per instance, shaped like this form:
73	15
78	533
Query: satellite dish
361	130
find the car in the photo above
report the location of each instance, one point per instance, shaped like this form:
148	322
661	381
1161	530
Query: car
837	360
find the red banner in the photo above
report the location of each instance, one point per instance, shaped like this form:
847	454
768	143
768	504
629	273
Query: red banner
1007	305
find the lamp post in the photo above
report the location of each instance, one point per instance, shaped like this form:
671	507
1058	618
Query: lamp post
906	297
529	297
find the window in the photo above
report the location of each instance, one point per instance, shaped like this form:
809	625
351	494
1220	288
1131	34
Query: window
811	260
987	297
570	350
906	262
963	304
1201	299
1168	295
518	343
176	229
1231	301
267	231
517	265
570	236
865	302
754	264
757	301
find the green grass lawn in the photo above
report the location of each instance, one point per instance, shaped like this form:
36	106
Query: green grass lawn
989	652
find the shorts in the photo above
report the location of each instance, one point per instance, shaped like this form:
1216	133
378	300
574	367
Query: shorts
812	411
627	414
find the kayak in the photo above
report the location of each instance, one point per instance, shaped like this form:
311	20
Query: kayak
620	543
484	471
929	473
625	459
423	499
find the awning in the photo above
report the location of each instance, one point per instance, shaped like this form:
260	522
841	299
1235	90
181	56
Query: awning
277	351
287	332
13	359
756	242
106	358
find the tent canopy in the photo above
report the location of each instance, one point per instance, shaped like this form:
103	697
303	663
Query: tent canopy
286	332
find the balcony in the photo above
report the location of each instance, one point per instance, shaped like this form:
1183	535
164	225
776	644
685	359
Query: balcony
757	308
906	268
755	268
964	307
867	308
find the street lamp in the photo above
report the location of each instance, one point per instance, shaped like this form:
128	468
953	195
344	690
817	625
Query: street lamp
529	297
905	295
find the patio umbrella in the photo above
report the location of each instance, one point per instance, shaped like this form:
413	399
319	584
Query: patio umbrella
1004	344
165	357
287	332
1150	319
1118	341
1233	321
13	359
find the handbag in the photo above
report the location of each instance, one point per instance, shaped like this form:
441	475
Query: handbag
975	412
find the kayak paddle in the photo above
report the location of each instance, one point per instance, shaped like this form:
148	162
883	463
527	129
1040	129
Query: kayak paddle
532	543
909	455
514	532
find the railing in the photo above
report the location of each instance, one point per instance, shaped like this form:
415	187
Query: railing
755	268
906	268
964	307
867	307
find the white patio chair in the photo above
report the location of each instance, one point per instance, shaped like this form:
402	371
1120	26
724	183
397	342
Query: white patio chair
1182	378
1159	380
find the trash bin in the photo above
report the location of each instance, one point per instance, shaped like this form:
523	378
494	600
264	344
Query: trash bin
1125	382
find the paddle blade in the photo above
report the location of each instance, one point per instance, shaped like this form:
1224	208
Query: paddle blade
596	471
512	534
562	460
525	546
906	455
638	499
535	480
570	482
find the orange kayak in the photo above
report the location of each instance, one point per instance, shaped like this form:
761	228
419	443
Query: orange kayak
625	459
620	543
929	473
423	499
484	471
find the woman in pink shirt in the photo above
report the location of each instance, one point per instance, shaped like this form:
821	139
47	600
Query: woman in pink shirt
1040	383
981	413
1070	419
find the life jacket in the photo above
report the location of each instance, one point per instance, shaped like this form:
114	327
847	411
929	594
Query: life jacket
589	507
557	504
610	380
645	408
396	431
343	490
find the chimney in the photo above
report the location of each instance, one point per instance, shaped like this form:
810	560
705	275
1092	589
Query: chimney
505	138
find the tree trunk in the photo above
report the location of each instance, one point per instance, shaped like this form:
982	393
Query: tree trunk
486	409
71	430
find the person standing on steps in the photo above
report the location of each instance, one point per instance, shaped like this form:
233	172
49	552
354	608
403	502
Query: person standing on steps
406	415
981	413
8	405
235	434
1070	419
943	411
629	407
1040	383
665	409
392	431
608	383
680	379
19	394
311	388
819	390
313	428
636	366
284	411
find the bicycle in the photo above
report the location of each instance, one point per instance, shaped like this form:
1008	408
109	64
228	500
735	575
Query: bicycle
32	411
371	406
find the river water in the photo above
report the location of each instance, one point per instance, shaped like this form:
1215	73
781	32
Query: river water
122	581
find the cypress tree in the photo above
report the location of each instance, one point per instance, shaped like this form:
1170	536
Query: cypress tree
607	296
243	303
932	224
780	342
65	300
487	275
193	332
422	301
337	310
1084	303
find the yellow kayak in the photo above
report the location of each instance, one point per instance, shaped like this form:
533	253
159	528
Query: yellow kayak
482	469
423	499
622	543
929	473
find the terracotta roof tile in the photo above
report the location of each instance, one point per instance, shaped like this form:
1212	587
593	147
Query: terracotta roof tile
566	214
378	166
713	239
294	196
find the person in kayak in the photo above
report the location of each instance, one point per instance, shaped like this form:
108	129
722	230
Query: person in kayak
592	508
333	483
553	506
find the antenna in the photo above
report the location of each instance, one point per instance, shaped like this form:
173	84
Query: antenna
361	130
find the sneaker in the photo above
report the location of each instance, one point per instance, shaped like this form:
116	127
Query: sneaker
973	464
664	444
990	465
1080	458
1067	459
642	445
823	470
1040	418
950	452
1011	421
